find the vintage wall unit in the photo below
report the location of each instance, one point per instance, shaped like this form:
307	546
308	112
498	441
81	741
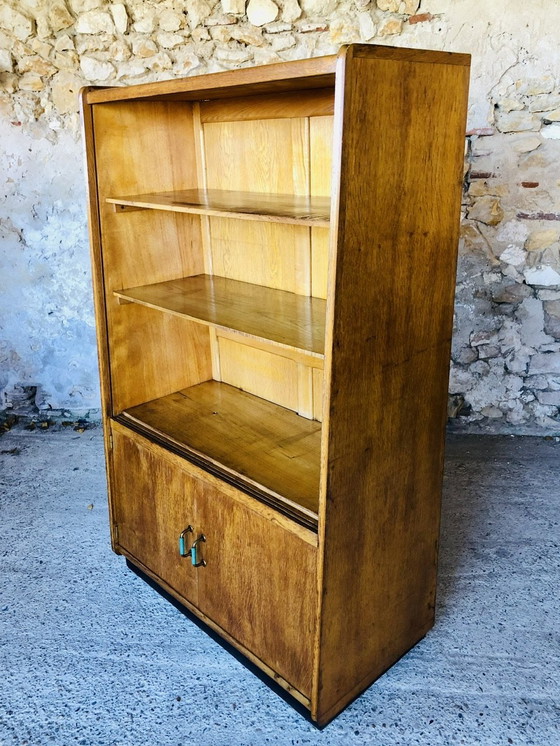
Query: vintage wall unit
274	255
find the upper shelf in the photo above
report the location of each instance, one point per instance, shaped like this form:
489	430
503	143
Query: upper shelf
278	208
287	320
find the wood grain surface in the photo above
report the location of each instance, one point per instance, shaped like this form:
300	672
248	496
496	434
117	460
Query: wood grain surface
289	320
254	441
280	208
243	588
388	331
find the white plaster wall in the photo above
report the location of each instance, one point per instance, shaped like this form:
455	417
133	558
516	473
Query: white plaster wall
506	351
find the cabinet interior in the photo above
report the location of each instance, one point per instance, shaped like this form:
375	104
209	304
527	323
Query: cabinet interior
215	232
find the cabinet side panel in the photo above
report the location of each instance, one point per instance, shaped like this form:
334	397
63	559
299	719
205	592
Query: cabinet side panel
400	190
98	288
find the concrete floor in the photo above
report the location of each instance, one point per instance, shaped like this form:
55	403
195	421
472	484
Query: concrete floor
90	654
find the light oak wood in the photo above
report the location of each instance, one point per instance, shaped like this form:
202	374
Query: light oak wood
98	295
277	78
241	551
270	157
387	355
135	149
263	253
307	275
312	103
321	143
278	208
260	445
236	496
287	319
300	75
150	492
247	559
260	372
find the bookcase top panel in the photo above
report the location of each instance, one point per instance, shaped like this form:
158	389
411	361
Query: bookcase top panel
298	75
276	78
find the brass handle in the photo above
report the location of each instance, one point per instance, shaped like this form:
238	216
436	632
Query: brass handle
194	552
182	543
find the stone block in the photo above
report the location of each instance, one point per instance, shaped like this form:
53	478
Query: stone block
260	12
248	34
544	102
542	239
542	276
95	70
487	210
120	17
535	86
197	11
517	121
15	23
59	16
65	88
366	25
31	82
169	41
551	131
235	7
95	22
527	144
545	363
552	318
343	31
391	27
170	20
549	398
291	11
513	293
6	62
513	255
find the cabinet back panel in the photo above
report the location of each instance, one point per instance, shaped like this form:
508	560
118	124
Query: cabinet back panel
270	254
278	156
309	103
273	377
154	354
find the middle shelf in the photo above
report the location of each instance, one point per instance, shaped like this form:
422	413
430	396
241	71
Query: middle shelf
281	208
287	320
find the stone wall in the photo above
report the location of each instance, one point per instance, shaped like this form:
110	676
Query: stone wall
506	349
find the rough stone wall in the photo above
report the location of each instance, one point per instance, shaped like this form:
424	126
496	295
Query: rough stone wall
506	350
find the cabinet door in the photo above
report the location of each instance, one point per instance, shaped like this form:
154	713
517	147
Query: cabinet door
259	585
153	503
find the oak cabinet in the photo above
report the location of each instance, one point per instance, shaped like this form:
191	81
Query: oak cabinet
274	256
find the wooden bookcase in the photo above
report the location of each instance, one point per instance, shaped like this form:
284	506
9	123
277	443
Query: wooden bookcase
274	255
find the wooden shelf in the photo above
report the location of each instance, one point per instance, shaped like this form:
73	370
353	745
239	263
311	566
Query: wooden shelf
262	448
278	208
287	320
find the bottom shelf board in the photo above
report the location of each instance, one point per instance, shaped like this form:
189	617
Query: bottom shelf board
265	449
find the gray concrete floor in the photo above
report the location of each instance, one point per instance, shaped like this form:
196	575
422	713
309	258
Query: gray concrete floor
90	654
